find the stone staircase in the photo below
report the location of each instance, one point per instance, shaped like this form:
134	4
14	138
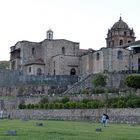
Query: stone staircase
83	82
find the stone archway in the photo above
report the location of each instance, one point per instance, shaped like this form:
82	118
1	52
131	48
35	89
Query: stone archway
73	71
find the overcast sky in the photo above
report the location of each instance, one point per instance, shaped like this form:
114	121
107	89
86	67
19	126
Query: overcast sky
83	21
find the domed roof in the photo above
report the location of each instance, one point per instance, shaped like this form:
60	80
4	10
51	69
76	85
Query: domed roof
120	25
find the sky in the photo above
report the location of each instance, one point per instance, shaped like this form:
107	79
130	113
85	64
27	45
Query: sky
83	21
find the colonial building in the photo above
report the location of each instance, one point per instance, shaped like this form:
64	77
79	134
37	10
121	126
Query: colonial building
64	57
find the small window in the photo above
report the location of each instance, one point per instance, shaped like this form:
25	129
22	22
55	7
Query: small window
63	50
124	33
108	44
30	69
120	55
54	72
97	56
33	51
54	64
121	42
112	43
129	41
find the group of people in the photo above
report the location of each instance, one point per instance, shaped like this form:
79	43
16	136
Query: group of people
104	119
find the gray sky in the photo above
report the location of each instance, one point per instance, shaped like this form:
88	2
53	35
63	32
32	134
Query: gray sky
83	21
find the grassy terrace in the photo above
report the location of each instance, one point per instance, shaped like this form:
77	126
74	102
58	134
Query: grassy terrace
67	130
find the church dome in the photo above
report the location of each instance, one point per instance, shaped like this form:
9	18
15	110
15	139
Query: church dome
120	25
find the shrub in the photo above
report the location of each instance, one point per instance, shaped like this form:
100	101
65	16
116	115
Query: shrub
46	106
133	81
58	105
41	106
81	105
36	106
84	91
70	105
50	105
65	100
21	106
121	104
44	100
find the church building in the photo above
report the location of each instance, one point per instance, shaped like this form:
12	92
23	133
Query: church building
64	57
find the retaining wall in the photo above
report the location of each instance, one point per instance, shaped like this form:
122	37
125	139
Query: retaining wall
116	115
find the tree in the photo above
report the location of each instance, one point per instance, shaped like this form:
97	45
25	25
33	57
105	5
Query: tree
133	81
99	80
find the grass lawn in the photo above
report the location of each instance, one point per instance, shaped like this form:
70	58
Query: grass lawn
67	130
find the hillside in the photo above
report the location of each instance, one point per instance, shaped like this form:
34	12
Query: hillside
4	64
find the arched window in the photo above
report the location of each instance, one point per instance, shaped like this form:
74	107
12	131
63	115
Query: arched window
121	42
120	55
63	50
97	56
73	71
129	41
39	71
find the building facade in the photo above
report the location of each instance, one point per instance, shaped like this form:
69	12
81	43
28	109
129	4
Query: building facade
64	57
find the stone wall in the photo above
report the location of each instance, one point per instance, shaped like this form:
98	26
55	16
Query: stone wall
114	80
130	115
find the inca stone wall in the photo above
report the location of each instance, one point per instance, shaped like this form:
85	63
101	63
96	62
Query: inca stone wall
131	116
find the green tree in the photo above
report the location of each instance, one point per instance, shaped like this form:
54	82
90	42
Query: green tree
133	81
99	80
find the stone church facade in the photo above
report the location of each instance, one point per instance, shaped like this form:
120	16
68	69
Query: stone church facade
64	57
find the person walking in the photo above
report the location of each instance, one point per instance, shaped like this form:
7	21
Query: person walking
103	120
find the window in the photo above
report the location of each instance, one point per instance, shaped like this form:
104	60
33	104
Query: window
129	41
63	50
30	69
54	64
97	56
112	43
124	33
54	72
121	42
120	55
33	51
108	44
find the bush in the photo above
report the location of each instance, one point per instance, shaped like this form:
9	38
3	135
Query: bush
22	106
133	81
121	104
50	106
36	106
84	91
46	106
70	105
81	105
30	106
98	90
65	100
44	100
58	105
133	103
41	106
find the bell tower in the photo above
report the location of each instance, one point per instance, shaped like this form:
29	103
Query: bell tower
50	34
